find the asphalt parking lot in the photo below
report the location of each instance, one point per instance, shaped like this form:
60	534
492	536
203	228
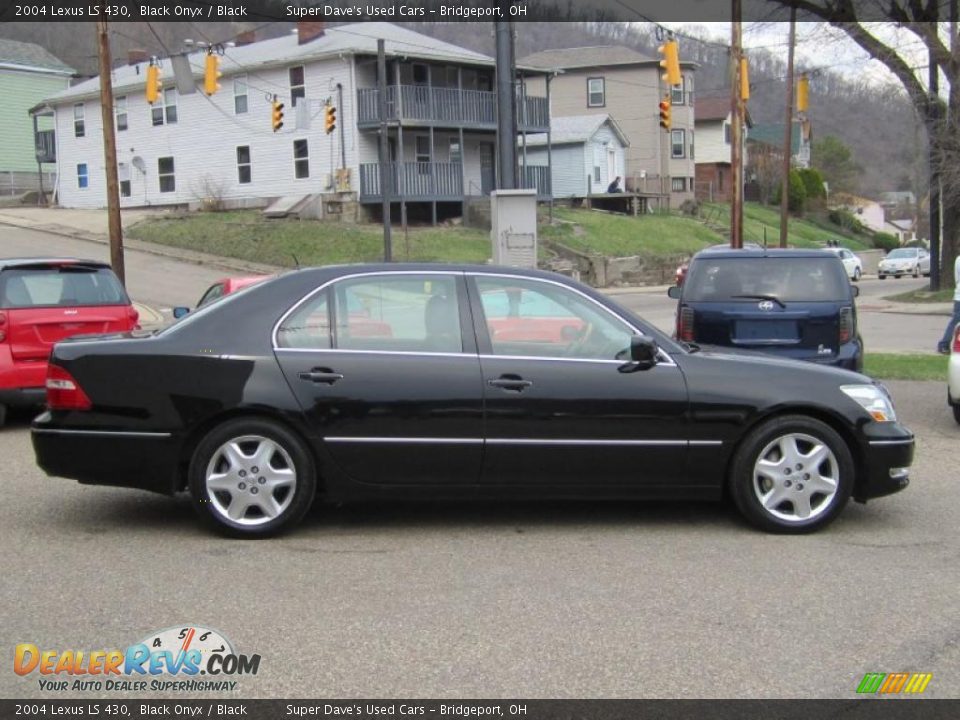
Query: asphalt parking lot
542	600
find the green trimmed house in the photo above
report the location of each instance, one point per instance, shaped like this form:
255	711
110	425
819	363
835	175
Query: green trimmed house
28	74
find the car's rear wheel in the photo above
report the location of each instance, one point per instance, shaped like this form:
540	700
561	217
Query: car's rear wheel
792	474
956	413
916	271
856	274
3	415
251	477
882	277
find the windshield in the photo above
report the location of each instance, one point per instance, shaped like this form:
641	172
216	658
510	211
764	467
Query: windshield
748	279
902	253
64	286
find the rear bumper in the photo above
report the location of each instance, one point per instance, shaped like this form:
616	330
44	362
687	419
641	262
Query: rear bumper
142	460
23	397
888	454
21	383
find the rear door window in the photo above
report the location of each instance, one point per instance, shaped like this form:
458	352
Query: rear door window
65	286
795	279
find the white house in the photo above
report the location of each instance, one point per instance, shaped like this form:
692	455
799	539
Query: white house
714	171
587	153
869	212
189	148
903	229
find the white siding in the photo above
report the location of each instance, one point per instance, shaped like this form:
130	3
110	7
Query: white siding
573	164
204	139
711	147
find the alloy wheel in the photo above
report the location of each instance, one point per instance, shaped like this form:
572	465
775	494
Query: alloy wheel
250	480
796	477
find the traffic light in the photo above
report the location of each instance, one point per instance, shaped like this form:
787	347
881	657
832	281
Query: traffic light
277	114
671	62
803	93
666	109
744	80
154	86
330	119
211	73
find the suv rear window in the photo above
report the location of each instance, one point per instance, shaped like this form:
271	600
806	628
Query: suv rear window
789	279
62	286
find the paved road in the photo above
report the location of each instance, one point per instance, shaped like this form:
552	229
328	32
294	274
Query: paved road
616	600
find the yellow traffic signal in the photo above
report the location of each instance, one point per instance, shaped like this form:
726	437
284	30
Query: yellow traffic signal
277	115
666	111
211	73
803	93
671	62
154	86
330	119
744	80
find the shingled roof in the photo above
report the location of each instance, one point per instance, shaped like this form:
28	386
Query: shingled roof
597	56
18	55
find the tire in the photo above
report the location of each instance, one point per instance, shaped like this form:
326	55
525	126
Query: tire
916	271
3	415
755	492
856	274
956	413
882	277
222	468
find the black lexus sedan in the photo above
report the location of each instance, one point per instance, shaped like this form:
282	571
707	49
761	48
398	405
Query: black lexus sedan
402	381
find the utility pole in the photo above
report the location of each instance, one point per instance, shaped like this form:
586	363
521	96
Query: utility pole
110	148
788	134
506	115
386	172
933	161
736	128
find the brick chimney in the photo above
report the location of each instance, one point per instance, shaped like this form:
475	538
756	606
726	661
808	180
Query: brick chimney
137	56
246	38
308	30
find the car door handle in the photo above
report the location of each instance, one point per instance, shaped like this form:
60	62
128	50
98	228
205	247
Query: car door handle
321	375
513	383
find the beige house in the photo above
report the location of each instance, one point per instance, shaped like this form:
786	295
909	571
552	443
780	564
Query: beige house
626	85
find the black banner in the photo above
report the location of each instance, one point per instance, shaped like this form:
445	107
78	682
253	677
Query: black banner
420	10
874	709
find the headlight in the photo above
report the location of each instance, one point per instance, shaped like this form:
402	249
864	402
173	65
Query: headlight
872	399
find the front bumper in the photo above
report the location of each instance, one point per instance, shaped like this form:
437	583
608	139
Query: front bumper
888	454
895	272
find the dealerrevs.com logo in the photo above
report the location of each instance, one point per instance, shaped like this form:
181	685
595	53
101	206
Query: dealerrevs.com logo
188	658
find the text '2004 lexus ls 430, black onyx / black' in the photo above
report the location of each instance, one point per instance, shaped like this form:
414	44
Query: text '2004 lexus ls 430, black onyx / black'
404	381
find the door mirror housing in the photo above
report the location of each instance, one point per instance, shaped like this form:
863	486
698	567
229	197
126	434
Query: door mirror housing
674	292
180	311
856	290
644	351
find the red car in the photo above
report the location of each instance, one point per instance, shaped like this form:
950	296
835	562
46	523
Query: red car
42	301
220	288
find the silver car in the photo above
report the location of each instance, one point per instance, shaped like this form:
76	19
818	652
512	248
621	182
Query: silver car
905	261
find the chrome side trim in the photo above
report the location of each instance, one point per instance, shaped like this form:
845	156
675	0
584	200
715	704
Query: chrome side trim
410	440
521	441
892	442
415	353
107	433
544	358
536	441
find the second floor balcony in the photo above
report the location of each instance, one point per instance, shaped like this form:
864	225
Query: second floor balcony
448	107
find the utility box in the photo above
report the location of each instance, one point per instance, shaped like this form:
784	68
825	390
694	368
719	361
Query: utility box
513	227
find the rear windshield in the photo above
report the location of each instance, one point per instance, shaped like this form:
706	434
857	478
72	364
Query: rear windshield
794	279
65	286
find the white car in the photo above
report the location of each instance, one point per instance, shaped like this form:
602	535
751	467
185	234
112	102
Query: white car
905	261
953	375
851	263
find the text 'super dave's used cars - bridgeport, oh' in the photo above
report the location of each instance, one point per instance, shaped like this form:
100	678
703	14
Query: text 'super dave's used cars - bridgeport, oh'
479	382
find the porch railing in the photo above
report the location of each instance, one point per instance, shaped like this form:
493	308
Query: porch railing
419	180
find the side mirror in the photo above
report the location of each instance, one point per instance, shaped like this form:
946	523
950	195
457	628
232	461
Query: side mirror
179	312
856	290
644	351
674	292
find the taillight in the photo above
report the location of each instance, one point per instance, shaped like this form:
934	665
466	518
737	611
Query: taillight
64	392
685	324
3	326
956	340
133	316
846	325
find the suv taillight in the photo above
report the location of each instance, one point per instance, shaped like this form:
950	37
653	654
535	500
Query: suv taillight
63	391
685	324
846	325
956	340
3	326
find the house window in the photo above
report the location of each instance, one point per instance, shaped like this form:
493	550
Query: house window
83	176
726	133
421	74
596	92
677	143
240	94
124	188
168	181
720	179
120	108
677	93
456	157
79	127
691	145
423	154
123	175
301	159
243	164
679	184
167	112
297	86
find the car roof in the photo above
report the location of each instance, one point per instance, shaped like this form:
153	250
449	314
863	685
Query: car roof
759	252
34	261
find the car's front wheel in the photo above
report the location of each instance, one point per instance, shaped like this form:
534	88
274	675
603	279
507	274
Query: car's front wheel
882	277
251	477
956	412
792	474
856	274
916	271
3	415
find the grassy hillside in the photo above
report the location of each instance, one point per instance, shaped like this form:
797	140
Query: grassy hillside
763	222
